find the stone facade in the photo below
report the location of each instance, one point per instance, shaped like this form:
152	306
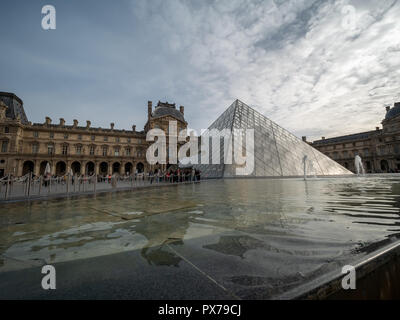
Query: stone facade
27	147
379	149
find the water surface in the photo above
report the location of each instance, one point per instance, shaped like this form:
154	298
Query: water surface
254	238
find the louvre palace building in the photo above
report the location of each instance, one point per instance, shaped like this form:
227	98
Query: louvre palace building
379	148
28	147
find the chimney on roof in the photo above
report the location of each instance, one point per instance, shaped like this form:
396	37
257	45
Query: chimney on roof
48	121
62	122
112	125
323	138
397	104
182	110
377	128
149	109
387	108
88	123
134	128
304	138
75	123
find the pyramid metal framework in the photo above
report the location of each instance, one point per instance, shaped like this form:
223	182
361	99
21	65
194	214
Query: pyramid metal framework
277	152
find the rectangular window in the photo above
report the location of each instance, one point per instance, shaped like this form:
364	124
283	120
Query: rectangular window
65	135
51	135
116	152
79	137
50	149
35	148
65	149
116	139
128	152
104	151
4	146
335	155
93	138
105	138
6	130
35	134
78	149
91	151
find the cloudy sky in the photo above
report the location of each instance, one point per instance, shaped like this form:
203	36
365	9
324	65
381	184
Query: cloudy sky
317	68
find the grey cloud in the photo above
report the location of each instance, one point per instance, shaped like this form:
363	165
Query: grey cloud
291	59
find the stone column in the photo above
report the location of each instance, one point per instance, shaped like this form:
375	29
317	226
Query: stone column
18	166
52	167
36	167
83	167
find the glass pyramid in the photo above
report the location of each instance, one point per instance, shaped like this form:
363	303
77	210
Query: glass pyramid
277	152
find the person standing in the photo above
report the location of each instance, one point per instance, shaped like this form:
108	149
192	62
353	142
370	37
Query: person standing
113	181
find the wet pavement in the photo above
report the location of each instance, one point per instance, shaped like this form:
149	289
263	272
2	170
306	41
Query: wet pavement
225	239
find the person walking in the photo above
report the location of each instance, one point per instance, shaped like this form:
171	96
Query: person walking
151	176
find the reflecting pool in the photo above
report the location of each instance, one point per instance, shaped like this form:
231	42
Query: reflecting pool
249	239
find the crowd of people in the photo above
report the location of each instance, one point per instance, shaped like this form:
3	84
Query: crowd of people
171	176
78	182
158	176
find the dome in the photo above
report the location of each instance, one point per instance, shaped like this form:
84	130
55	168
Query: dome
167	111
395	111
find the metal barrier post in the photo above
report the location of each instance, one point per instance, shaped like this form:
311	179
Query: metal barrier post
29	184
7	187
40	184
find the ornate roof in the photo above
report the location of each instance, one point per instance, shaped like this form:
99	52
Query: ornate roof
167	109
394	112
14	105
351	137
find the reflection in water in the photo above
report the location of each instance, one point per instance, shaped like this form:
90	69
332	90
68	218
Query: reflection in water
262	232
160	231
235	245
